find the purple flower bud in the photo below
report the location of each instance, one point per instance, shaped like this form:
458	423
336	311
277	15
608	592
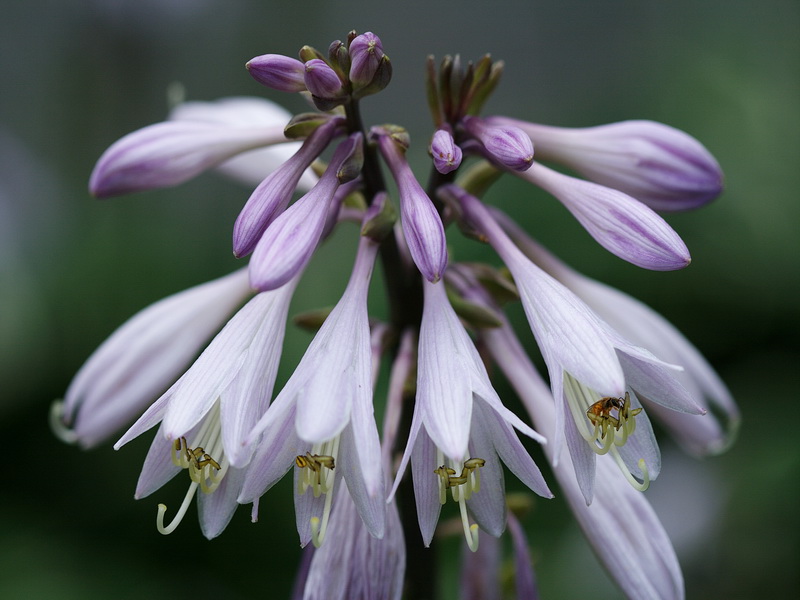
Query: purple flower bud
366	53
506	145
422	226
663	167
278	72
322	81
272	196
619	223
288	243
446	154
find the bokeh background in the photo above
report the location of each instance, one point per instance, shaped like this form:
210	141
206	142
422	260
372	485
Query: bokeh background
75	76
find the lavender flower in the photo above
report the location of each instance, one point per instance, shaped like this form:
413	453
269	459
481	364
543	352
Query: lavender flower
648	329
370	69
592	368
169	153
322	420
620	524
142	358
460	429
661	166
206	415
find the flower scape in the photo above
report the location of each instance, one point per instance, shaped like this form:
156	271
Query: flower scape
612	362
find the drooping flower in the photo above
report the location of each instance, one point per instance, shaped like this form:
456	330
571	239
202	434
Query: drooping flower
460	429
200	136
646	328
620	524
322	421
206	415
595	373
659	165
142	358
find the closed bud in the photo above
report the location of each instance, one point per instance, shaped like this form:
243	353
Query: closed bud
324	84
370	69
446	154
278	72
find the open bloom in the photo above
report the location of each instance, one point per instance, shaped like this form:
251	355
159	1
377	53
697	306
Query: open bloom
142	358
322	421
206	415
595	373
646	328
460	429
620	524
199	136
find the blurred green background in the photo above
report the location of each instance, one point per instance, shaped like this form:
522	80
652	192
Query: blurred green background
78	75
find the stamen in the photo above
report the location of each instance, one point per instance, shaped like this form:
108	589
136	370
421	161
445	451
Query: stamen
317	472
461	488
162	509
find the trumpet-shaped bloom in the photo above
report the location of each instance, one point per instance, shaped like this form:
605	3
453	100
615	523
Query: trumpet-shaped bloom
460	429
659	165
422	226
322	421
620	524
595	373
199	136
206	415
142	358
646	328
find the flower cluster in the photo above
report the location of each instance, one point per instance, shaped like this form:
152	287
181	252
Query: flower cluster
612	362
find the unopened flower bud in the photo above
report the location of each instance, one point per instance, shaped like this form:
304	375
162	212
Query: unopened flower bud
508	146
322	81
370	68
278	72
446	154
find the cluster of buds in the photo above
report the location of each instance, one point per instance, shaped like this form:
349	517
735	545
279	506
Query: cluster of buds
610	359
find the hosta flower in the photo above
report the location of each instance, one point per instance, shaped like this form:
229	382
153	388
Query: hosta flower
505	145
142	358
595	374
200	136
206	415
460	429
626	534
278	72
643	326
659	165
322	421
446	154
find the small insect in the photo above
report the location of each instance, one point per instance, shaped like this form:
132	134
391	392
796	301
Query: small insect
599	413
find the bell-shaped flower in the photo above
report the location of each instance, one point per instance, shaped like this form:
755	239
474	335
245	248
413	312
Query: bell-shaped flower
460	429
622	225
278	72
506	145
596	375
659	165
648	329
199	136
288	243
272	195
422	225
142	358
620	524
206	415
446	154
322	421
353	563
